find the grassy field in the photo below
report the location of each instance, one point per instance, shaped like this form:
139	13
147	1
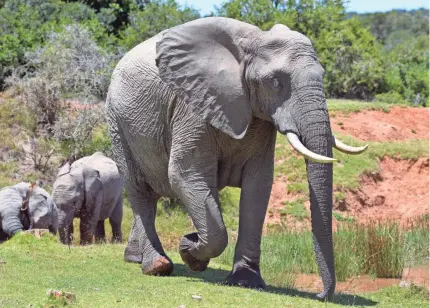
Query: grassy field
98	277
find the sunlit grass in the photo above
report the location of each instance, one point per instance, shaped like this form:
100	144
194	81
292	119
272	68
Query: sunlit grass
98	277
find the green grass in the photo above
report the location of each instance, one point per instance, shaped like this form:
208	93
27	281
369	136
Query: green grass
98	277
352	106
294	208
381	250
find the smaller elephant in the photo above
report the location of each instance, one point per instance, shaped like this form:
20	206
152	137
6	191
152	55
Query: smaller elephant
25	206
90	189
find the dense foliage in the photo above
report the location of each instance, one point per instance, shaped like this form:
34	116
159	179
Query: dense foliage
364	55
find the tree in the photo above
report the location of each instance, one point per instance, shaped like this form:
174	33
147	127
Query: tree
346	50
157	16
22	27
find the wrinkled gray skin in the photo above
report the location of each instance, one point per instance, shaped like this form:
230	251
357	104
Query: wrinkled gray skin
42	210
91	189
197	108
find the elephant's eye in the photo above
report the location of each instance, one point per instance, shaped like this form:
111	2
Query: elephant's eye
276	84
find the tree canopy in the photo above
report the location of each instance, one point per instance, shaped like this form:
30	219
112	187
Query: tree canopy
364	55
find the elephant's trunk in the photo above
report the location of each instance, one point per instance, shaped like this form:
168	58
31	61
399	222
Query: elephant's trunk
315	133
63	226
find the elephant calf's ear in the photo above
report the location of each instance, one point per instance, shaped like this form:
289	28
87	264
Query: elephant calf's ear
200	61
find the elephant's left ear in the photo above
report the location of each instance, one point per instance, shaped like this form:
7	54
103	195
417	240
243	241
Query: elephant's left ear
39	207
201	62
93	184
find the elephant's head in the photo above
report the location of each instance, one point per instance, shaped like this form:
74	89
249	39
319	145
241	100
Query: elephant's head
75	187
229	72
68	194
43	211
25	206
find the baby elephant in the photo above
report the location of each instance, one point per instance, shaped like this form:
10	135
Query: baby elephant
25	206
91	189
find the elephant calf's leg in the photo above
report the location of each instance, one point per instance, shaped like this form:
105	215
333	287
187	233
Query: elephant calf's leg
100	234
86	230
143	244
115	221
69	235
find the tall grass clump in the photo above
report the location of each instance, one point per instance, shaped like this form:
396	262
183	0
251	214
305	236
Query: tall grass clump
380	249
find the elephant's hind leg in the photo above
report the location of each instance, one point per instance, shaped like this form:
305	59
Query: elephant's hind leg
143	245
100	234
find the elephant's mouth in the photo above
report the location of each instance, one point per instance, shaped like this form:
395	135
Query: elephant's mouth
295	142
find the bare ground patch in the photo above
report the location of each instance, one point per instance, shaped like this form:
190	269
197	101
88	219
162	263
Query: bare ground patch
399	191
399	123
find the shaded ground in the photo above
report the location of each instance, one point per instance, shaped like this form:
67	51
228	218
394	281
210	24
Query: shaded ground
398	124
416	275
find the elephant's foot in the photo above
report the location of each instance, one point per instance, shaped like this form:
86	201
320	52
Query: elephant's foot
116	239
326	295
246	275
161	266
188	242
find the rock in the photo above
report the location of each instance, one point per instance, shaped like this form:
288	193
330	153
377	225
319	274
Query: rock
58	294
404	284
38	233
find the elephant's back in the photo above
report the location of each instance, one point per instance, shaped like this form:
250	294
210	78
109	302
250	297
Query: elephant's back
138	103
106	167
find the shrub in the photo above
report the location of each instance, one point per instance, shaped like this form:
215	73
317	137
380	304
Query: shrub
22	27
407	70
41	151
391	98
75	131
157	16
69	65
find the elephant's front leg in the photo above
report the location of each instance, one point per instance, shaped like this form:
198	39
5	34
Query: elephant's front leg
194	181
257	179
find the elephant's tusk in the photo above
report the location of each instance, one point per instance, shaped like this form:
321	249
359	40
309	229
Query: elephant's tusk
344	148
299	147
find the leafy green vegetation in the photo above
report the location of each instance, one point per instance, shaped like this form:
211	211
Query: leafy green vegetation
346	106
294	208
98	277
379	249
371	54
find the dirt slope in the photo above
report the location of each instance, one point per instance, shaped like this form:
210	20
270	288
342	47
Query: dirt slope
398	124
399	191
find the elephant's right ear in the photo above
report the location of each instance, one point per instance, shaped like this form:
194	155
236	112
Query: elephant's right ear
201	62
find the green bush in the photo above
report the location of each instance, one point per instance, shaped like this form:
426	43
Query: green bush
23	28
347	51
158	15
407	70
391	98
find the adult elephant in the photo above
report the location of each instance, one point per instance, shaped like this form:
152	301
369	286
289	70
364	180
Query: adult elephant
25	206
197	108
91	189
